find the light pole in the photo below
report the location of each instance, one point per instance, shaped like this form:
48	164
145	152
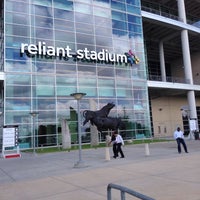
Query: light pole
34	114
78	97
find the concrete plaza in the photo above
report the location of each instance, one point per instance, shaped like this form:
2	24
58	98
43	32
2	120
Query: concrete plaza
163	175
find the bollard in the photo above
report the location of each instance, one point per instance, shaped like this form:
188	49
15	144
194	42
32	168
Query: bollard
107	154
147	153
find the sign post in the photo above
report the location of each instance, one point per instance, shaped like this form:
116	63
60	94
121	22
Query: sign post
10	147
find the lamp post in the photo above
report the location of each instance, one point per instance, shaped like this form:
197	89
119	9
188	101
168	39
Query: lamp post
34	114
78	97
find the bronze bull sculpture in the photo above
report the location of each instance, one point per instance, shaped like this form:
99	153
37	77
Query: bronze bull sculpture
103	112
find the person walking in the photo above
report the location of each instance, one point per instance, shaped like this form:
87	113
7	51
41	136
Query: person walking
119	143
178	135
113	141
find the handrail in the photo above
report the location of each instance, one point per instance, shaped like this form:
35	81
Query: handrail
125	190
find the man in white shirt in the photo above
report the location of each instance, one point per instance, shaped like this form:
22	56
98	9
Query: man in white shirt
178	135
119	142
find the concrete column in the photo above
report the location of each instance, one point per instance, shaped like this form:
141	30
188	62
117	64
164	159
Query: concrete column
162	61
187	60
93	129
66	136
181	11
186	57
192	104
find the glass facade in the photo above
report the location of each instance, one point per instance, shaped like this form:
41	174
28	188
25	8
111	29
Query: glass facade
42	82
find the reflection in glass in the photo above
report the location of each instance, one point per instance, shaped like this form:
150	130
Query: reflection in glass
42	10
18	91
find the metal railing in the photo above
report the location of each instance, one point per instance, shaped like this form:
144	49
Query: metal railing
124	190
168	79
171	13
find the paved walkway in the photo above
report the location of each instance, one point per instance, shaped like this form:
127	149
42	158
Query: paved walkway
163	175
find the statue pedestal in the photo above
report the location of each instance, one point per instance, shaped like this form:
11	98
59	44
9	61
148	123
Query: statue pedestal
107	154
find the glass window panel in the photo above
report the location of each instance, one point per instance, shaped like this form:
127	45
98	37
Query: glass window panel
44	33
84	18
64	44
91	92
119	32
82	8
133	9
104	41
17	6
107	32
106	92
43	80
84	28
17	18
65	91
46	104
17	30
118	5
16	117
84	70
88	82
18	91
121	45
118	16
64	25
63	14
133	2
43	2
134	19
134	28
65	36
63	4
14	54
103	22
15	41
122	73
45	90
125	104
106	83
106	72
103	3
90	47
42	10
18	79
124	92
63	104
121	83
66	81
66	69
83	38
18	104
102	12
17	66
119	25
43	22
45	67
86	1
47	116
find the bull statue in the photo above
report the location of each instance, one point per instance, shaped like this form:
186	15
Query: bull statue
103	112
101	120
108	123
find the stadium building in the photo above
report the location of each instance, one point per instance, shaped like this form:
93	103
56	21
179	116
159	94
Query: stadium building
139	55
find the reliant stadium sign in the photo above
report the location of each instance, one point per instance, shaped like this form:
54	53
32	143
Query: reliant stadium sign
41	49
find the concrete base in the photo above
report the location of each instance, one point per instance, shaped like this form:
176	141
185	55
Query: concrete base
80	164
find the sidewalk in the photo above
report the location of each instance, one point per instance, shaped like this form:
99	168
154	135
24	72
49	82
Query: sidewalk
163	175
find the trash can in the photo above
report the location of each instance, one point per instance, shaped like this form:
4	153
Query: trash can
196	135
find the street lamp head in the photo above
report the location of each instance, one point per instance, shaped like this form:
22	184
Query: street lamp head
78	95
34	113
